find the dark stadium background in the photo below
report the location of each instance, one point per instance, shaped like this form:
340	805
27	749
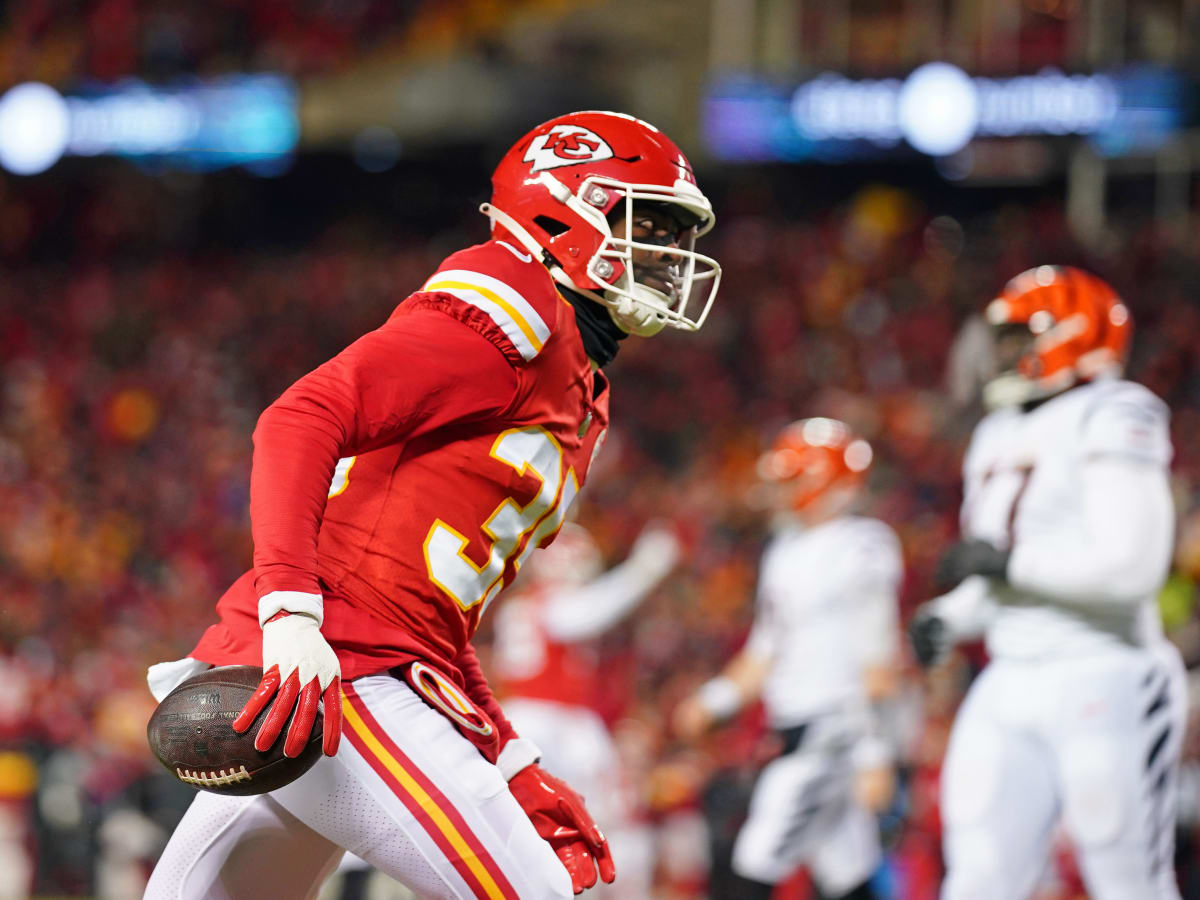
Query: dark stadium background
148	313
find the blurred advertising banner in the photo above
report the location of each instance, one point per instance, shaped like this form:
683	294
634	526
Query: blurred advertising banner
938	109
239	120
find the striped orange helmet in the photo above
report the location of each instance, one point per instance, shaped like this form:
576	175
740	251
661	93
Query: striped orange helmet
814	456
1071	326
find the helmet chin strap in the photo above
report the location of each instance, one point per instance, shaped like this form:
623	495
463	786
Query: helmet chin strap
639	315
638	318
513	227
1012	389
1007	390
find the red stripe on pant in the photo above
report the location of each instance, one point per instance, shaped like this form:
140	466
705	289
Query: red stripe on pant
439	832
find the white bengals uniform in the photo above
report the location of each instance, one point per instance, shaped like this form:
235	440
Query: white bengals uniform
1080	712
827	609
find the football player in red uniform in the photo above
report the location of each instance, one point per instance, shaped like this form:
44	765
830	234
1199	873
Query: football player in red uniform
395	491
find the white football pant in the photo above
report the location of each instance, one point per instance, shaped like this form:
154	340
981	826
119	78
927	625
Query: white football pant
1095	740
803	812
406	792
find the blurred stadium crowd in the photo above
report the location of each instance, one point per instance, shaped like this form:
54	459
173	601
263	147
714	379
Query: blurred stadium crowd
145	322
143	327
64	41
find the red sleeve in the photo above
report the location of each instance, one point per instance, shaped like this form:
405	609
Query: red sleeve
420	371
480	692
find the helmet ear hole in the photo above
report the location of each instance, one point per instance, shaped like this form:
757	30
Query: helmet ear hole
552	227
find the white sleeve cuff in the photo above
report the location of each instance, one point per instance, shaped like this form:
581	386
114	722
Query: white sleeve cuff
871	752
516	755
164	677
293	602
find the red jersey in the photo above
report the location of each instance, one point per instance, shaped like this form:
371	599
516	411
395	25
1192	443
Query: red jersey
408	478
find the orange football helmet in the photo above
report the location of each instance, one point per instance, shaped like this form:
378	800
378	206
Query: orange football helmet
1071	325
813	457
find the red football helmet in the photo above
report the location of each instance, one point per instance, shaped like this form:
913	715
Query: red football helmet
1055	326
813	457
558	191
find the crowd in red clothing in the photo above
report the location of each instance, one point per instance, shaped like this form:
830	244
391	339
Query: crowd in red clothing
136	350
66	42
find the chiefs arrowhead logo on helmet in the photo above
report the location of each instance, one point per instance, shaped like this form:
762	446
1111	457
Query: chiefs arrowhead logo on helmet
566	145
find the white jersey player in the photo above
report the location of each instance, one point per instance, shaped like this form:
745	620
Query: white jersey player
821	654
1067	526
546	669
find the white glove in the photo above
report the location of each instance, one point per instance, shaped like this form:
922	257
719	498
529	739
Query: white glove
299	664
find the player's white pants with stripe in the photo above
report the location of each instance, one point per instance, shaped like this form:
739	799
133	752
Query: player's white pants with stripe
406	792
1094	739
803	812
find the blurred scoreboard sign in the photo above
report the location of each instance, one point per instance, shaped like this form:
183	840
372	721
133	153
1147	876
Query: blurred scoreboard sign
939	109
240	120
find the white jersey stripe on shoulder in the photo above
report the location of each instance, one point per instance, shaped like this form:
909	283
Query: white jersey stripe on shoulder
507	323
521	307
512	312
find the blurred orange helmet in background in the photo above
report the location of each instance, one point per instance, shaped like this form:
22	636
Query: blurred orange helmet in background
814	457
1067	326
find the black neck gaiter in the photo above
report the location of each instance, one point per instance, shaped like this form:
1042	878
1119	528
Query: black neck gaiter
601	336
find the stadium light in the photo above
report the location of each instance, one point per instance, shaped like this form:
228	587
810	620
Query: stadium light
35	127
937	109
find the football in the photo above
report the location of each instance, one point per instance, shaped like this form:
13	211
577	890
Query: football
190	733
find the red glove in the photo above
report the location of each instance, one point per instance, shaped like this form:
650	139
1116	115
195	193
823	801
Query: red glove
294	646
560	817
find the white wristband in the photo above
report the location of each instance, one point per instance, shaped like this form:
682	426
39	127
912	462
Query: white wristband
293	602
720	696
516	755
